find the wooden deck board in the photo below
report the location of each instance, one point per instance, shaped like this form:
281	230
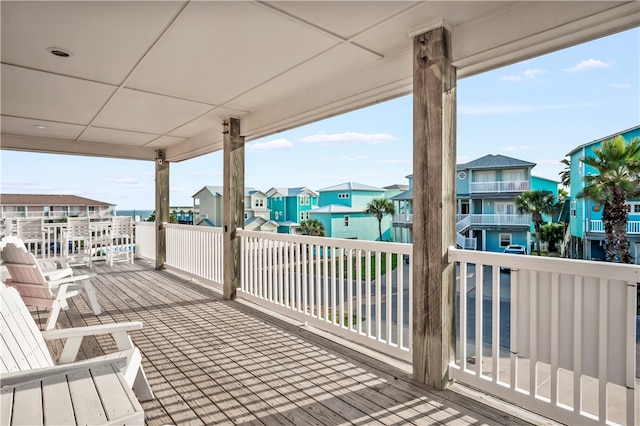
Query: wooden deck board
211	361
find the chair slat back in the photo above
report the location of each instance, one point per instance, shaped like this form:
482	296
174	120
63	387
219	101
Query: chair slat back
22	346
20	263
78	228
122	226
30	229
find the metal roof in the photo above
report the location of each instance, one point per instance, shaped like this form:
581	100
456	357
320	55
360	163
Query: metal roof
351	186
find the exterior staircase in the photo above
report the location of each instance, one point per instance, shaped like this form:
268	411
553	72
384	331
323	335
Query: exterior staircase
461	240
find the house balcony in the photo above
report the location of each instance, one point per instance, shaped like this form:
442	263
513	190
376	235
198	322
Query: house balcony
633	226
321	331
500	220
57	214
403	219
500	186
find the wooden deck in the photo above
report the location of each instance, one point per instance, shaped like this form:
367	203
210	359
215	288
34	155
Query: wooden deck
211	361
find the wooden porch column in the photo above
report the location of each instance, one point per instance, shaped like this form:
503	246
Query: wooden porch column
232	205
162	206
434	195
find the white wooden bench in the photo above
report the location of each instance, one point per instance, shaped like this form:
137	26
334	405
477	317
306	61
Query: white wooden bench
28	370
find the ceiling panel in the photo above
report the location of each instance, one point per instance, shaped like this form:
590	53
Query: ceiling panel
34	94
211	121
118	137
26	126
343	18
147	112
317	70
232	47
106	38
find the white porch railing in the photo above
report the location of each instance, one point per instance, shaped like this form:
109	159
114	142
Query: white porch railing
360	290
633	226
403	218
554	335
501	219
465	243
145	240
504	186
196	250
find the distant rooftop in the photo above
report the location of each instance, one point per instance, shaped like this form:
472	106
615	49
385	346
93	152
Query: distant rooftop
291	192
49	200
401	186
351	186
494	161
218	190
406	195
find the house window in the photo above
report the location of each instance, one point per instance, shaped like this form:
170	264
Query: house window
259	203
636	208
346	221
307	215
277	215
301	215
246	215
343	195
505	239
573	209
302	201
306	200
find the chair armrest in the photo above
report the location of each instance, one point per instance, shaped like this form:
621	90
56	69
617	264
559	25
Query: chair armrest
92	330
16	378
119	332
72	279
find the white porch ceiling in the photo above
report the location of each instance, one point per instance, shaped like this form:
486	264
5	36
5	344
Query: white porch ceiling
148	75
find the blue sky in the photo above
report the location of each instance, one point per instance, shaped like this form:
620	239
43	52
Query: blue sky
537	110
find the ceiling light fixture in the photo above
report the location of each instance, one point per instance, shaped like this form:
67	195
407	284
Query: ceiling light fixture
40	126
59	52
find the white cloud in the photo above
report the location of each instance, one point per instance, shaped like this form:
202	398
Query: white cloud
270	145
621	85
349	137
514	109
530	74
533	72
588	64
512	78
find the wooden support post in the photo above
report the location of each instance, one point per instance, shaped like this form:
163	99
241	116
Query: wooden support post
232	205
162	206
434	195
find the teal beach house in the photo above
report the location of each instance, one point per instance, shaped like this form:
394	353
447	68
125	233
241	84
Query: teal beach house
342	212
585	216
290	206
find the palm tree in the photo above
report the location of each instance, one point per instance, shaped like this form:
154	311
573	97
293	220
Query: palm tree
380	207
565	174
536	203
312	227
618	177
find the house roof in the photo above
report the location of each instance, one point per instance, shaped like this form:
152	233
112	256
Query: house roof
406	195
217	190
494	162
544	178
258	222
336	208
584	145
206	221
351	186
49	200
401	186
291	192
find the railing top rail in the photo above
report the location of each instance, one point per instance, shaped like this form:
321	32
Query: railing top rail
615	271
212	229
401	248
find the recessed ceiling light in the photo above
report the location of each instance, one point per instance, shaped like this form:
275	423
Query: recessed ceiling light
40	126
59	52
